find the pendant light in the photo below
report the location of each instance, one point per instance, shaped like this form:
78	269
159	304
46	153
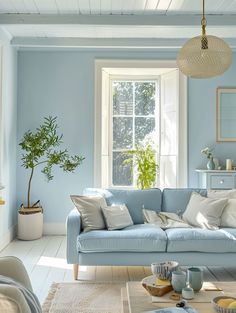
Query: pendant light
204	56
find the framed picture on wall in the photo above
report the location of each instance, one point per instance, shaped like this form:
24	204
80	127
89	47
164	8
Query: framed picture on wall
226	114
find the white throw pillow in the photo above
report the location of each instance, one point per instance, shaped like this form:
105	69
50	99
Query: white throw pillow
204	212
90	208
219	194
117	217
228	217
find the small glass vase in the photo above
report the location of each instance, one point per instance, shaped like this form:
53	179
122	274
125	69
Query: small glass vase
210	164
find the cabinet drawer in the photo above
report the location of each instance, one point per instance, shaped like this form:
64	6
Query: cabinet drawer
221	182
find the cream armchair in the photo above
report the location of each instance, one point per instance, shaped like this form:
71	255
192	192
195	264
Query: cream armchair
11	299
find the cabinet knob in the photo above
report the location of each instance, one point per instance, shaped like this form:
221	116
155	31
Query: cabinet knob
221	181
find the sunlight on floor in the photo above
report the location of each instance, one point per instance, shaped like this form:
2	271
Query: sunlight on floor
57	263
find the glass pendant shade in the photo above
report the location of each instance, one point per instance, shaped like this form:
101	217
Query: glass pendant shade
204	56
195	61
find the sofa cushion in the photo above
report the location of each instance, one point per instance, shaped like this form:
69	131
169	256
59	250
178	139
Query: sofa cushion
135	238
135	200
201	240
176	200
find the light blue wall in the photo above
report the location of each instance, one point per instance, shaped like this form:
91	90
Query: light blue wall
8	212
202	117
61	83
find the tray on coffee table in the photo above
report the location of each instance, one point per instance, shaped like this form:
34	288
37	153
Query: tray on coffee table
140	301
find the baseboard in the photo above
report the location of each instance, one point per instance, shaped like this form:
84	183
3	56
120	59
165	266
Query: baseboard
8	237
54	229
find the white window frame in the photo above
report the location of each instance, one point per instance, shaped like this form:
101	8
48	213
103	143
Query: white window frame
100	65
1	116
137	78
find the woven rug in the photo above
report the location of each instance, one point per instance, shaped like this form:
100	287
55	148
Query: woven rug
84	297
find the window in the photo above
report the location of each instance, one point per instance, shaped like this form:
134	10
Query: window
134	118
137	101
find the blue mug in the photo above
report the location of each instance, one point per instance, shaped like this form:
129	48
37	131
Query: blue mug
195	278
178	281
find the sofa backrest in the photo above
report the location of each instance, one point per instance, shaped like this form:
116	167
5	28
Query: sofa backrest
135	200
174	200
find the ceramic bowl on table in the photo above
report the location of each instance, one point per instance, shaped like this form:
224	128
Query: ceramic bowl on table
163	270
221	309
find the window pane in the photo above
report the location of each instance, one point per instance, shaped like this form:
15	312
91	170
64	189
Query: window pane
145	98
122	175
122	98
122	132
143	127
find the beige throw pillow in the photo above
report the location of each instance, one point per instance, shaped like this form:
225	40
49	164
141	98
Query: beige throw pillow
204	212
228	218
117	217
90	211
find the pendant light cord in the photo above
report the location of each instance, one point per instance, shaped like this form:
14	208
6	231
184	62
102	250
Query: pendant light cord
203	22
204	41
203	9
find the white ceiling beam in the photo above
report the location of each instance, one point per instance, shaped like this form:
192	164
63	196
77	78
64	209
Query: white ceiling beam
139	20
122	43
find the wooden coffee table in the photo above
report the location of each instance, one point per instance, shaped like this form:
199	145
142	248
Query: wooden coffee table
137	300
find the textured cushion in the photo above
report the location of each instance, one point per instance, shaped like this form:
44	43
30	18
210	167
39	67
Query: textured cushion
16	301
90	211
201	240
136	238
204	212
7	305
135	200
117	217
228	217
176	199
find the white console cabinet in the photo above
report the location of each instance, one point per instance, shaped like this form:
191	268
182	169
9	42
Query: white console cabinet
216	179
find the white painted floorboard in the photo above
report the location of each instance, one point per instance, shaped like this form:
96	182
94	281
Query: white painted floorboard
45	261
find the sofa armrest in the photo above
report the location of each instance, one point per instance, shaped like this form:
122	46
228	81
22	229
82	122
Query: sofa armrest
73	229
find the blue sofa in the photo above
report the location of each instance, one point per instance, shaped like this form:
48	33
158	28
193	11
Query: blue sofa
142	244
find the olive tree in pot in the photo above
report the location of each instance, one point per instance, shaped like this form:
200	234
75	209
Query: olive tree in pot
41	148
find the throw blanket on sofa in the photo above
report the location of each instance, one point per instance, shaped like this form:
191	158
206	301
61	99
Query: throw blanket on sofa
164	219
30	297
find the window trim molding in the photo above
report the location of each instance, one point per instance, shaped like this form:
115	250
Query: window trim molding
137	78
100	65
1	116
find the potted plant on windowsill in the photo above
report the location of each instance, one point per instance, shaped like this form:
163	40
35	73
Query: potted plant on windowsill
41	149
143	159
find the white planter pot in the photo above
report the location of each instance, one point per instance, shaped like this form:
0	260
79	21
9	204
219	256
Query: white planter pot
30	226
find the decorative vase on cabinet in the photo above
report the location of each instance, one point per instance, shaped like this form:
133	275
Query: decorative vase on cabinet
211	164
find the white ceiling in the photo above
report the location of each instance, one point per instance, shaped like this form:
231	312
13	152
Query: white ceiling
26	21
116	6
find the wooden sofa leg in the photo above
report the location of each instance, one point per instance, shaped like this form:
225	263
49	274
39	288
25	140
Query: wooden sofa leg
76	271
